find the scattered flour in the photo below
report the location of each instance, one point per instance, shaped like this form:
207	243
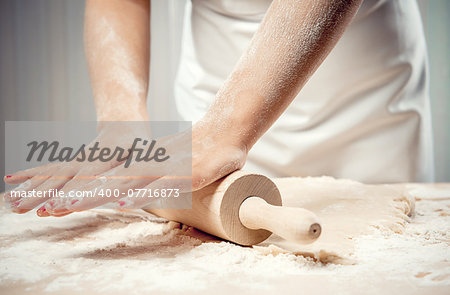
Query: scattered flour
132	252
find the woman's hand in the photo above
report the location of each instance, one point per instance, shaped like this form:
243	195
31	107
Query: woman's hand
67	176
213	156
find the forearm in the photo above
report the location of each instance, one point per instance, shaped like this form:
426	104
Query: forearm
117	36
291	42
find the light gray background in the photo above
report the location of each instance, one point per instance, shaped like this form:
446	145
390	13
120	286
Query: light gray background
43	72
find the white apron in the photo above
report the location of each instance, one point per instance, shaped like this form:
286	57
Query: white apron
363	115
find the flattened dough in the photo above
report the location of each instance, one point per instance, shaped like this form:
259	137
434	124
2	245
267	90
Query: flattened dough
346	210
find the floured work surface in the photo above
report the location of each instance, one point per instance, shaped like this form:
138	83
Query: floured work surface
367	246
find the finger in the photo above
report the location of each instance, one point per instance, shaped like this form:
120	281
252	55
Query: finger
29	195
22	176
42	212
94	194
10	201
118	179
48	189
58	207
15	197
10	198
65	179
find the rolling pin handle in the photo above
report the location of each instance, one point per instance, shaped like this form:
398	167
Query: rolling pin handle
294	224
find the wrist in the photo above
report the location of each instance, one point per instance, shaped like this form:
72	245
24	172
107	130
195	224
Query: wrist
236	125
221	136
121	114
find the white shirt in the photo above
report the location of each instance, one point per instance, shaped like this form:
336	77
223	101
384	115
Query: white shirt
363	115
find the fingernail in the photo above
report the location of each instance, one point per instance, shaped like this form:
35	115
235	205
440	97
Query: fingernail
74	201
42	212
121	203
8	176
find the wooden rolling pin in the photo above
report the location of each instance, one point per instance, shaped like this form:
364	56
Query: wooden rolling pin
245	209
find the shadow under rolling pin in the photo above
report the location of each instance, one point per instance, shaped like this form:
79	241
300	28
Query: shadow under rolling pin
246	209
